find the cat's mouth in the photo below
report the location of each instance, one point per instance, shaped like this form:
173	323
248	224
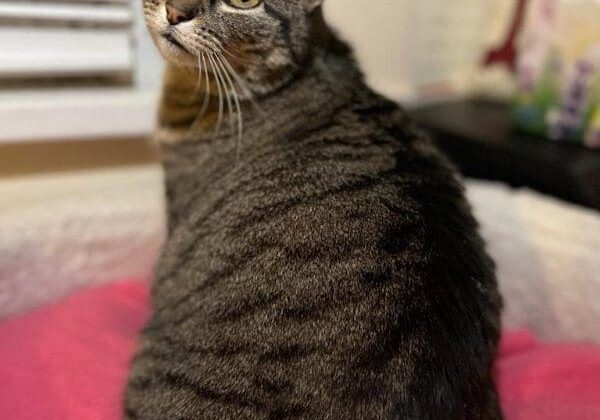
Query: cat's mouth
173	42
174	50
172	47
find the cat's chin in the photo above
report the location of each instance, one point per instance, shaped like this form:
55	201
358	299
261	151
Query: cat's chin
175	53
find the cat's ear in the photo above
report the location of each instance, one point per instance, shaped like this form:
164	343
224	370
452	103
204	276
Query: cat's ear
310	5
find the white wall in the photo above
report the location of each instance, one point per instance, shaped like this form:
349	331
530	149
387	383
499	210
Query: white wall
411	48
378	31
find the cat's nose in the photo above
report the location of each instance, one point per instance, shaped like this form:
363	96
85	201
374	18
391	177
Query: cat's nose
180	11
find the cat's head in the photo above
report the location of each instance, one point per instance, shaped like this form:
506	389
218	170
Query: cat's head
264	41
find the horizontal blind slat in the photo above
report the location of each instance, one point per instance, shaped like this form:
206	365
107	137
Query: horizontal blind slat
60	52
74	1
80	13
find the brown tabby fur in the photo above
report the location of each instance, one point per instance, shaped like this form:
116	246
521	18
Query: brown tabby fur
325	267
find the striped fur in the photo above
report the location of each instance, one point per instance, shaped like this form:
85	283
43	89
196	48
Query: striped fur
329	270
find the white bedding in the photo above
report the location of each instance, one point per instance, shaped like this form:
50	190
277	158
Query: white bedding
62	232
548	258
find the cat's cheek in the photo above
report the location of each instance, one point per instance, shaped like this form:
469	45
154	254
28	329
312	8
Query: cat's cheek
278	58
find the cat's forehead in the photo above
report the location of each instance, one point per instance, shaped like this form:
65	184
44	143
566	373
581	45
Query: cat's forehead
285	4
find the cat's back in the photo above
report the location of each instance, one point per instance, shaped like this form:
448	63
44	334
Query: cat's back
352	176
308	281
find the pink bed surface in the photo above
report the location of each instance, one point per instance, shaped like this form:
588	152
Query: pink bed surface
68	361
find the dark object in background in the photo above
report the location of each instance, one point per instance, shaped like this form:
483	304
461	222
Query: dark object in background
478	135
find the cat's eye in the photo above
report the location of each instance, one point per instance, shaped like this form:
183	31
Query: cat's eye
245	4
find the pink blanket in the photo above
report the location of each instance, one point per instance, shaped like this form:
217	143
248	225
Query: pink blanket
68	361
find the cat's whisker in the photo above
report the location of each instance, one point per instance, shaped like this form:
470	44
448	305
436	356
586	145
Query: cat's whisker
207	87
206	101
237	77
226	90
199	79
242	84
237	105
220	92
236	57
236	96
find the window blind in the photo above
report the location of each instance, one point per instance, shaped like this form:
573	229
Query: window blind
66	40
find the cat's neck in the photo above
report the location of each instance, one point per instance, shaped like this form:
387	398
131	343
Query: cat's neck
183	97
192	156
184	116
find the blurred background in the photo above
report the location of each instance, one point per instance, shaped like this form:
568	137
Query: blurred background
509	89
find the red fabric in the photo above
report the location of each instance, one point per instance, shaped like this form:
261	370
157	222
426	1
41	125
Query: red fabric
548	381
68	361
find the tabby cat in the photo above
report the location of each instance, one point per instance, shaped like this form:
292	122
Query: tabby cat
321	259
